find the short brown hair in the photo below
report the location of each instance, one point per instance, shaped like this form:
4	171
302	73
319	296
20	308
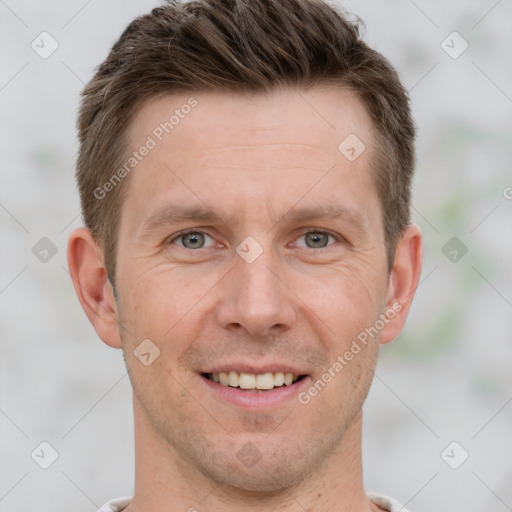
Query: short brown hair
238	46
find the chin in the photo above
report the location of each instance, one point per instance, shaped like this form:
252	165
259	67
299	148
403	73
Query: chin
265	480
269	473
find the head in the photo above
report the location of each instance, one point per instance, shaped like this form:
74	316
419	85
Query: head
237	47
244	173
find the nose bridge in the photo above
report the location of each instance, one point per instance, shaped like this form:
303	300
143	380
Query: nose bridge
260	287
258	300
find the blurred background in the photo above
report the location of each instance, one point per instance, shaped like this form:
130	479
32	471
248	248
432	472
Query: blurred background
437	432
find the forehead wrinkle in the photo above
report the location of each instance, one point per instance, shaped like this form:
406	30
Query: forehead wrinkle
262	157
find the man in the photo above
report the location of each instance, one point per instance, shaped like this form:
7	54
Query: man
245	171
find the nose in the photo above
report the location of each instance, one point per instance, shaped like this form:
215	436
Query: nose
257	299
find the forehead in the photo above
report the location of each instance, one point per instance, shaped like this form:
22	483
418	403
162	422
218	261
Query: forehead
319	119
233	148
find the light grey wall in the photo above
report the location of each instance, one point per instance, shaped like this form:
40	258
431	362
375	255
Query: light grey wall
447	378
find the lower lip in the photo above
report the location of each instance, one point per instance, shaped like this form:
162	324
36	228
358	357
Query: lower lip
256	401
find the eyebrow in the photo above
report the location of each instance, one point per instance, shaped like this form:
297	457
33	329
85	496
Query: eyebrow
327	212
173	214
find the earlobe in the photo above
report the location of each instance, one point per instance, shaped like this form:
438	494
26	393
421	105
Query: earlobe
404	280
92	286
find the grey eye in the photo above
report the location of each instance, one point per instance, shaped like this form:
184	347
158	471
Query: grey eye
193	240
316	240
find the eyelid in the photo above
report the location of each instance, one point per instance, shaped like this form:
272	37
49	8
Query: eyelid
335	236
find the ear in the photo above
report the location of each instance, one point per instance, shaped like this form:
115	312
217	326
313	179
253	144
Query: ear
92	286
403	281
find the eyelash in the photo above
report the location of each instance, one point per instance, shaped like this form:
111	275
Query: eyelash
337	238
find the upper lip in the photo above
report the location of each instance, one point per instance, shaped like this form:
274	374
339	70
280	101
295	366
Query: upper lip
255	370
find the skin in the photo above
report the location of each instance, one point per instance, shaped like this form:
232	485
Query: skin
250	161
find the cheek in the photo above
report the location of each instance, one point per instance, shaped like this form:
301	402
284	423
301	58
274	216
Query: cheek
335	396
157	301
345	301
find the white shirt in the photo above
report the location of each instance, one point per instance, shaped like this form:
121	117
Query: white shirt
384	502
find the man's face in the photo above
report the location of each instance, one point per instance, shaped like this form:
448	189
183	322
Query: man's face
250	243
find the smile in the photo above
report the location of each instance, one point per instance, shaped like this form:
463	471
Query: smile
255	392
252	382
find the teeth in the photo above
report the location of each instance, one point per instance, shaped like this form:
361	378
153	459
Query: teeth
223	378
246	381
278	379
233	379
264	381
249	381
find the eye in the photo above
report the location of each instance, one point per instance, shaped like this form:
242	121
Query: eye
194	240
316	240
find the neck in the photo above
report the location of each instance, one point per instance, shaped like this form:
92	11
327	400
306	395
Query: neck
166	481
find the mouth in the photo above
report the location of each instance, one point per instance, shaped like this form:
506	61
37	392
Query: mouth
253	383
